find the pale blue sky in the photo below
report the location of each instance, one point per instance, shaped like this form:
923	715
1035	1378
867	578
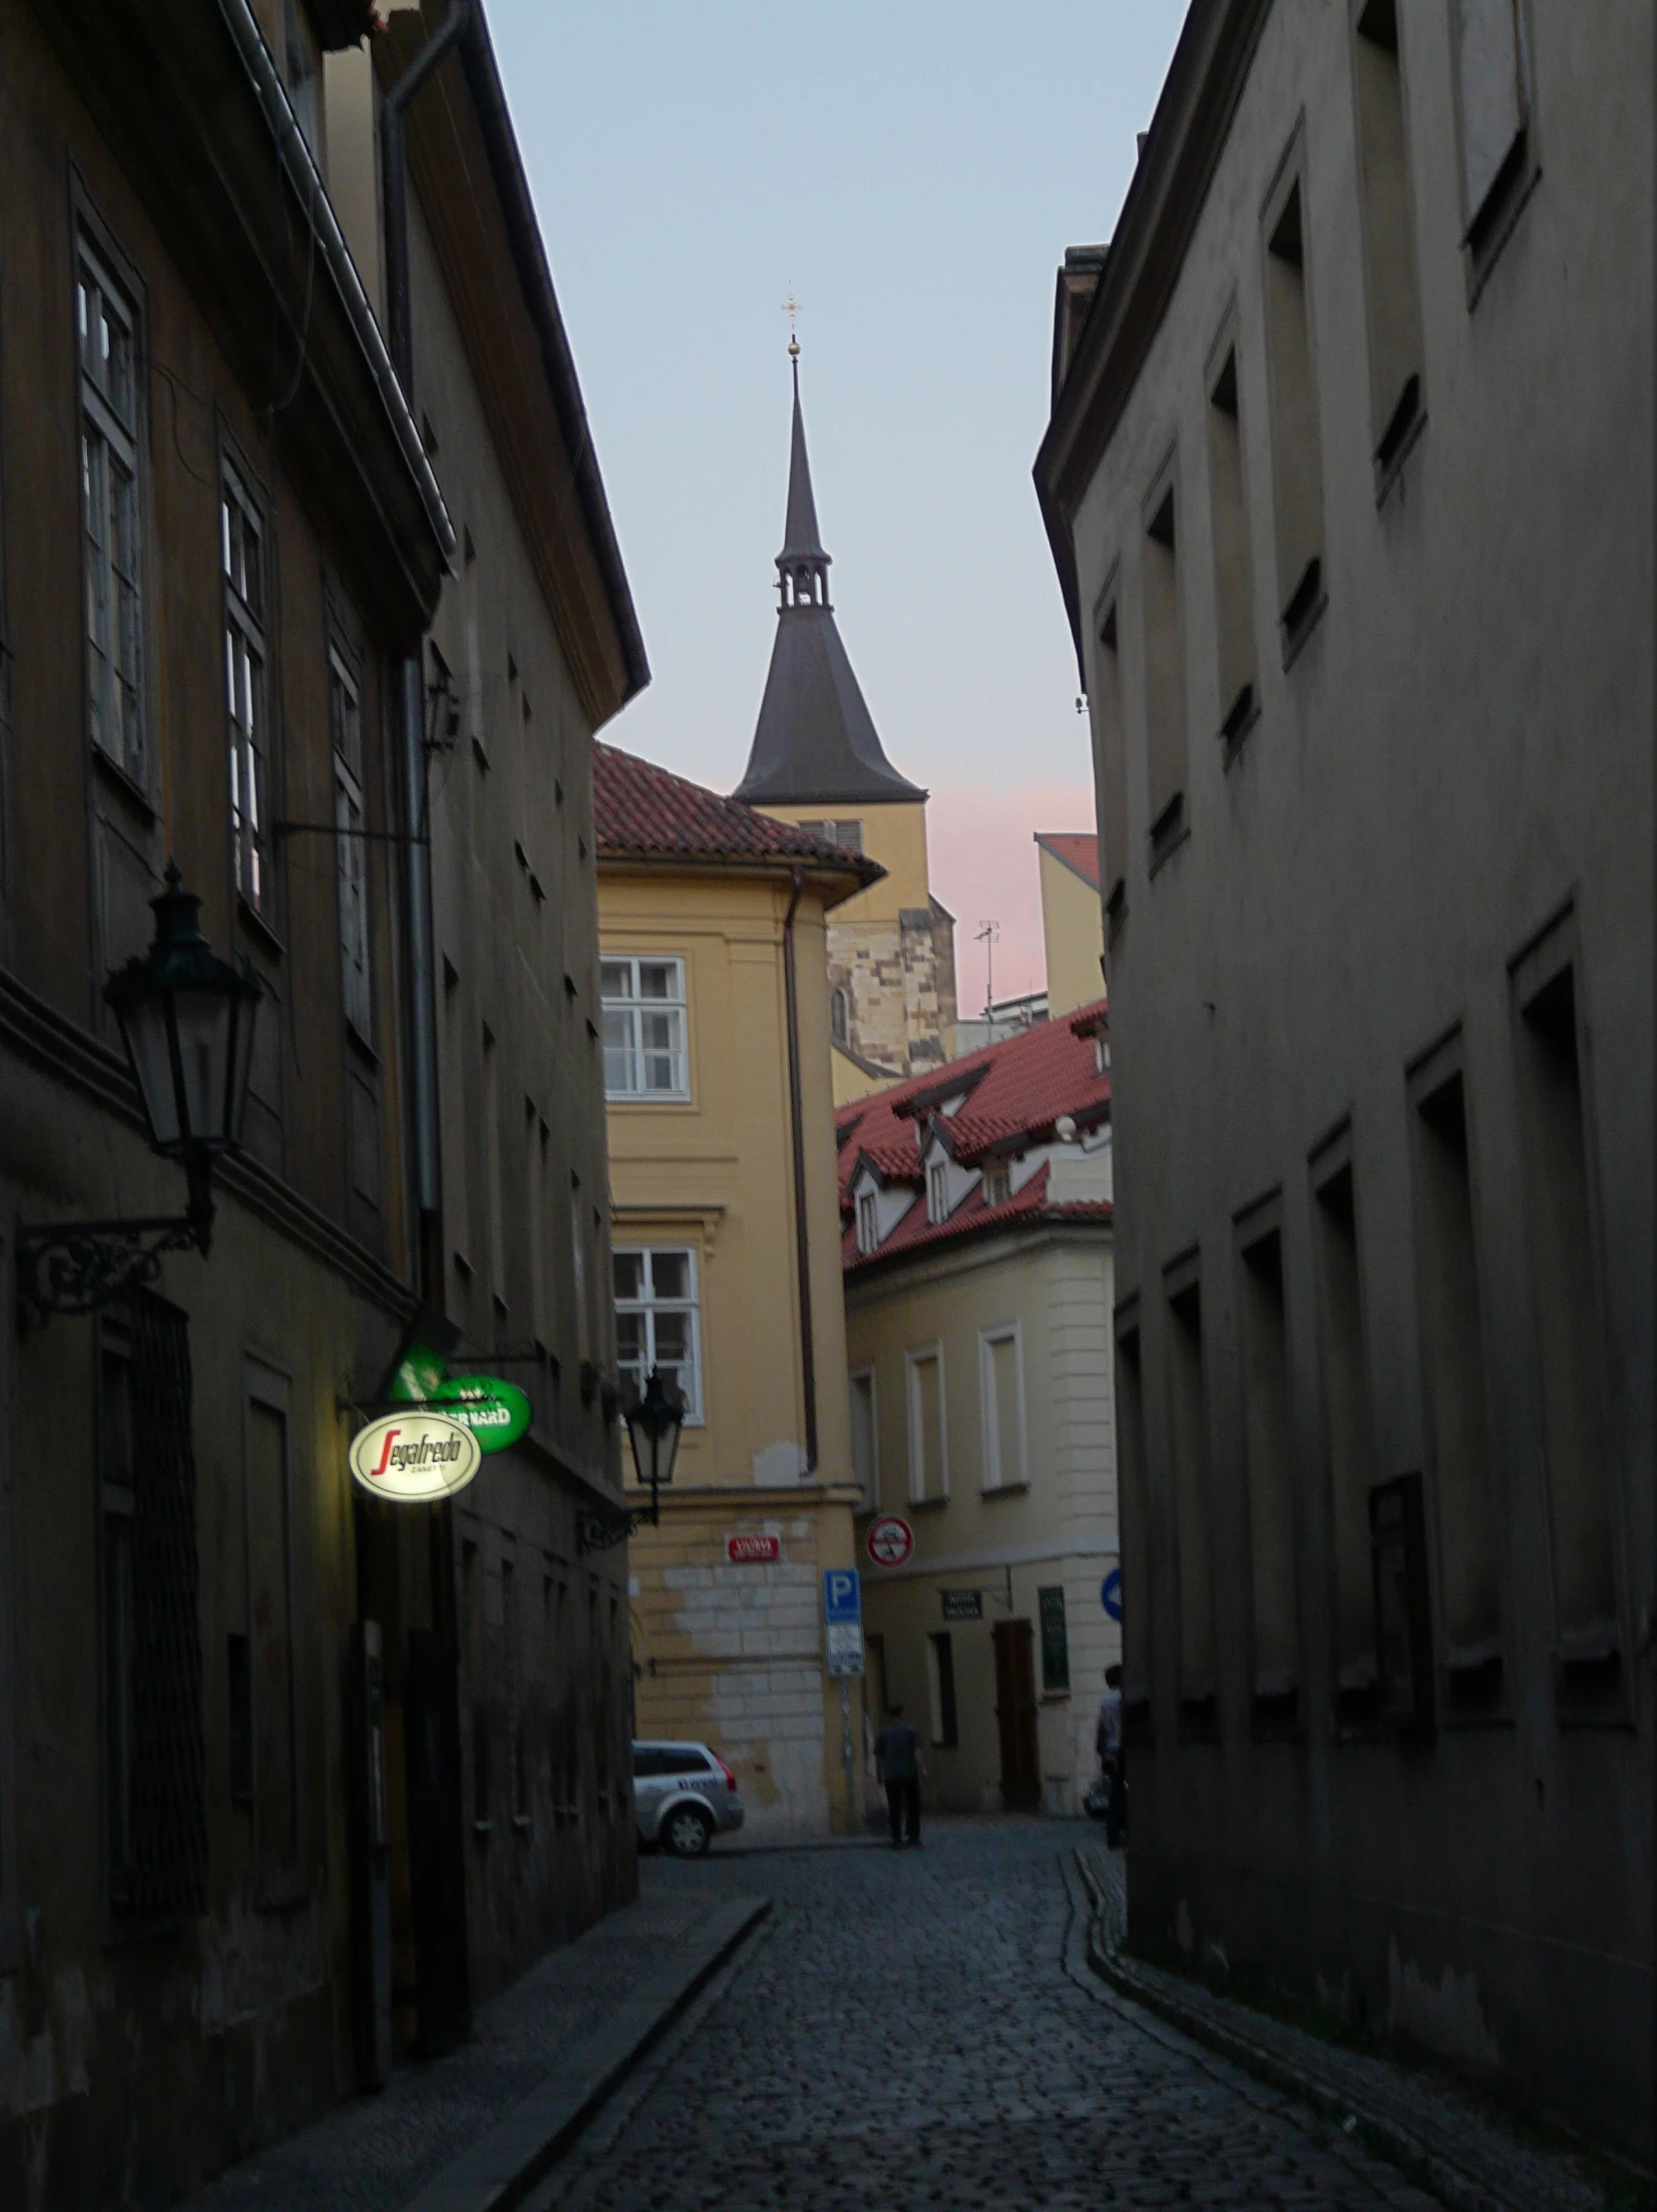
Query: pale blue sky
915	169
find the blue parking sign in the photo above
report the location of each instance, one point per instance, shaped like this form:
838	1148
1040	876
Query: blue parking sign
1110	1594
842	1595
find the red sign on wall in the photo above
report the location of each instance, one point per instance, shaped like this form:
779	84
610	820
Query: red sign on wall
755	1550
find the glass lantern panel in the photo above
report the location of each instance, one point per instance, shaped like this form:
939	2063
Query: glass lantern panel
203	1021
145	1026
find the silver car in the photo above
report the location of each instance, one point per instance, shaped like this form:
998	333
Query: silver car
683	1796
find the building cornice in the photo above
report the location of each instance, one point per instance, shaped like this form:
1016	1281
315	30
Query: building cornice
970	1251
1164	201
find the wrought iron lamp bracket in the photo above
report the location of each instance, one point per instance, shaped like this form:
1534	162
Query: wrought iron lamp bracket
73	1267
602	1528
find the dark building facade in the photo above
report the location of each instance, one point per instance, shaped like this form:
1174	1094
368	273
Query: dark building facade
223	547
1348	479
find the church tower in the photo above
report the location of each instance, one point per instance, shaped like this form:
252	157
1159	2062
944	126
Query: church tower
817	761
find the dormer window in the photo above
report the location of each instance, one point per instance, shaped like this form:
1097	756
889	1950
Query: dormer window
868	1223
937	1192
998	1186
1102	1053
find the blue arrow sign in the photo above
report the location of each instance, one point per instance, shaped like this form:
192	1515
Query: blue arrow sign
1110	1594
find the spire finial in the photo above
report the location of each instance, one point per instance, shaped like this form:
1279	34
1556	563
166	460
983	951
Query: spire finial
791	308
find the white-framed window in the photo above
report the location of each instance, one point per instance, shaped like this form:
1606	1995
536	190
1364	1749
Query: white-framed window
241	543
928	1444
998	1185
1001	1379
645	1027
938	1191
868	1222
865	1432
345	714
847	834
657	1324
105	325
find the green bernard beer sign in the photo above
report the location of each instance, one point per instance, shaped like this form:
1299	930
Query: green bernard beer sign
496	1413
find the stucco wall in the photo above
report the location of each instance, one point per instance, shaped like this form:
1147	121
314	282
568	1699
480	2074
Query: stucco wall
1057	1528
1459	749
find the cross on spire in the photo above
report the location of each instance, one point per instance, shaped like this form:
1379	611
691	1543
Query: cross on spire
791	308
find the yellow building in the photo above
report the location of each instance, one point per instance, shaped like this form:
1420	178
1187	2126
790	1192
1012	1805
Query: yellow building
817	762
726	1259
1073	917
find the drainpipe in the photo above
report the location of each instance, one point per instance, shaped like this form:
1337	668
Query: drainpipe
796	1119
417	851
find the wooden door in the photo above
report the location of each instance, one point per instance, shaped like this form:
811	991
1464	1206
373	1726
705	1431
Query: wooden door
1015	1714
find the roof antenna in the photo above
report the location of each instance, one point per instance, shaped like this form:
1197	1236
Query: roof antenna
988	933
791	308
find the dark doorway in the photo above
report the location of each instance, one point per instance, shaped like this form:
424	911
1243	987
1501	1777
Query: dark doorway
1015	1714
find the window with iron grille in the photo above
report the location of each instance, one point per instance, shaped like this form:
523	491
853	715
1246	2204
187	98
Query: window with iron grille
106	328
242	533
345	715
154	1768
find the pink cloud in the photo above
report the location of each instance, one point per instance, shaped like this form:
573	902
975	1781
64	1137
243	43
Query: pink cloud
982	853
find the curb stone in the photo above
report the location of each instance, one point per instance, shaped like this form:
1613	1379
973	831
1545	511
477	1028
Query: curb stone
504	2162
1430	2163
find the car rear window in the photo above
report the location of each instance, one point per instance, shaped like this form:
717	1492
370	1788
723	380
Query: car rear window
685	1762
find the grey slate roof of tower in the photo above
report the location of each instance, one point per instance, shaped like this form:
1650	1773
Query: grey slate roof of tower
815	743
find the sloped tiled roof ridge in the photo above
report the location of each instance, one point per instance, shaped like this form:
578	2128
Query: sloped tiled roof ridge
1078	850
639	808
1012	1095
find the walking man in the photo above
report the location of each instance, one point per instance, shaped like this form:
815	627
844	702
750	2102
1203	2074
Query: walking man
899	1767
1108	1741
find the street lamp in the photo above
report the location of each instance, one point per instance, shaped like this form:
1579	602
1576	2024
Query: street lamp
654	1423
187	1021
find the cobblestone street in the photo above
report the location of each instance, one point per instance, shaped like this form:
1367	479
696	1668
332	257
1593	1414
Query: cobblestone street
905	2033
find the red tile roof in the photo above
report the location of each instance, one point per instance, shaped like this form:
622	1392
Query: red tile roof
1078	849
1014	1092
641	810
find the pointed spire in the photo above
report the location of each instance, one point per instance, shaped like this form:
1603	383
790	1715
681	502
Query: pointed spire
801	538
815	742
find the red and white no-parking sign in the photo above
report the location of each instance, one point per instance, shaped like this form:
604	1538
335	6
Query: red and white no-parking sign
890	1540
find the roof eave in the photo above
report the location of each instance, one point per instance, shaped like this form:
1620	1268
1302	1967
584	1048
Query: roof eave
1163	201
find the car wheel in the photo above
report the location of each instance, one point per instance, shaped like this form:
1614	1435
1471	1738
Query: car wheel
686	1833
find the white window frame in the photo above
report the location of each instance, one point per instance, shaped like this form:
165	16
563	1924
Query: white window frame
869	1478
247	701
998	1184
937	1192
996	1477
649	1306
112	515
629	1010
345	720
868	1222
914	1359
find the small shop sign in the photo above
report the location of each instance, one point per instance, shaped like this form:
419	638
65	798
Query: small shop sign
963	1605
496	1413
751	1549
414	1457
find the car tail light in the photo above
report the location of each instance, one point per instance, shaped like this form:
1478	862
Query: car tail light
730	1778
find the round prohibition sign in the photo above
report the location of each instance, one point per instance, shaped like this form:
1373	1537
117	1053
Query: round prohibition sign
890	1540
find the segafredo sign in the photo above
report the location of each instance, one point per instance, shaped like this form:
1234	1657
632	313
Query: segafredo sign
415	1457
